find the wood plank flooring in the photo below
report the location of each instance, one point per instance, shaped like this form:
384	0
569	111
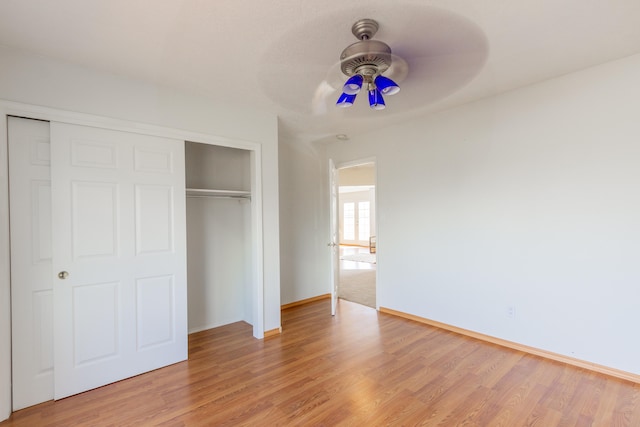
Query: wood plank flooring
360	368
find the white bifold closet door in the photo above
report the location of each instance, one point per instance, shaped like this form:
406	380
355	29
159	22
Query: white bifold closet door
118	231
99	253
119	255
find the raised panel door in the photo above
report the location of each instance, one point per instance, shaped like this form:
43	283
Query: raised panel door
31	281
119	236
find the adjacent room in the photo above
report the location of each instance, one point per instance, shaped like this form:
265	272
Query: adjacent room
357	228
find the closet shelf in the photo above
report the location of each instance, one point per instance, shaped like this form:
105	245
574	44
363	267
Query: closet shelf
206	192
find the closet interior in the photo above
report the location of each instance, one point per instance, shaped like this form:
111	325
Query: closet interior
219	255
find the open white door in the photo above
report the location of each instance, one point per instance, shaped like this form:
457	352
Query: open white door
334	239
119	255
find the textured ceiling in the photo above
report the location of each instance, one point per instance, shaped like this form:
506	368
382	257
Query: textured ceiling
281	56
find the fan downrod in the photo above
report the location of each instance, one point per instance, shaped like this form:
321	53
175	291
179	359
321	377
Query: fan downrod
365	29
366	57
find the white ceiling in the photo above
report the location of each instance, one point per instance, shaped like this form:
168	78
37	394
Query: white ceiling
275	55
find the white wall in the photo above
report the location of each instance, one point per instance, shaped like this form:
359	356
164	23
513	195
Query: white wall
358	175
528	200
41	81
303	220
218	262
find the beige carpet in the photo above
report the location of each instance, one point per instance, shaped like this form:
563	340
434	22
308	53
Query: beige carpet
361	257
358	286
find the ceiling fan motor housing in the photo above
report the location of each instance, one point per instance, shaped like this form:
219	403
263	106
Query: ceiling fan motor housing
366	57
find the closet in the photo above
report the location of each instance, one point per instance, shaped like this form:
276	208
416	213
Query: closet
134	262
219	255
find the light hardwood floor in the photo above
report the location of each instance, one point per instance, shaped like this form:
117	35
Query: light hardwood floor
359	368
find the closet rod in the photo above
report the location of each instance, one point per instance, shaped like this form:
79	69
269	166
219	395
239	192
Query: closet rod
217	196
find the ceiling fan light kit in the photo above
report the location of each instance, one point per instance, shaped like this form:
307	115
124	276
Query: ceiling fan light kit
364	62
345	100
353	85
387	86
376	101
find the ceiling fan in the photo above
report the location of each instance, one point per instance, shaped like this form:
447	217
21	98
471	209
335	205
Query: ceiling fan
364	63
429	51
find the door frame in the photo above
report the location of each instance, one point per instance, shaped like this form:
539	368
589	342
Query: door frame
10	108
345	165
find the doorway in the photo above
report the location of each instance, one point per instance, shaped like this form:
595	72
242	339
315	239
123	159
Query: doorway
357	233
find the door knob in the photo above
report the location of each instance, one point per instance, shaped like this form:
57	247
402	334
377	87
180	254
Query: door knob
63	275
